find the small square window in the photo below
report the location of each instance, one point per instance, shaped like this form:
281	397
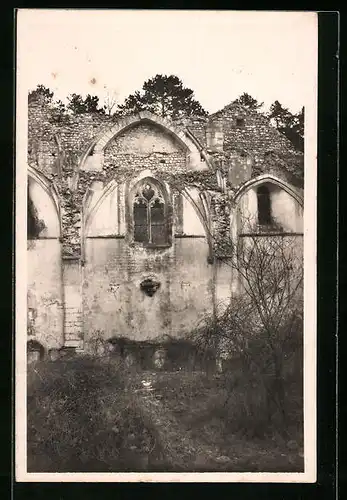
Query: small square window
240	122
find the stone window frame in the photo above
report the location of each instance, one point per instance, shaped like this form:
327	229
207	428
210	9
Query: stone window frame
160	190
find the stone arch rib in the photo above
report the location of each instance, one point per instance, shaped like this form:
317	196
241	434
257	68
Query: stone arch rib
261	179
143	116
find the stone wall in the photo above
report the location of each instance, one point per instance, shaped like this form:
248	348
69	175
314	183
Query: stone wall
94	277
114	303
251	146
222	134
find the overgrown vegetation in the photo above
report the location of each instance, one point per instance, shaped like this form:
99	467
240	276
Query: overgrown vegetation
235	384
164	95
258	336
93	415
83	415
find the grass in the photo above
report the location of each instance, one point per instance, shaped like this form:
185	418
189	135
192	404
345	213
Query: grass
92	415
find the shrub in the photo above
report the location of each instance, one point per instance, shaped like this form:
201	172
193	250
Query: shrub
262	371
83	416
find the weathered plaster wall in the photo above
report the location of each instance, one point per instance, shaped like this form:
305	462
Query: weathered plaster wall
286	210
114	303
191	223
224	283
45	298
113	272
248	207
107	212
192	285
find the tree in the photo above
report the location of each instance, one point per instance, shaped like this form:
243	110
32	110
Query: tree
41	93
249	102
299	128
78	105
165	96
291	125
110	101
262	327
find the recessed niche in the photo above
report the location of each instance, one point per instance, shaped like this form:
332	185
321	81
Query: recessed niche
149	286
240	122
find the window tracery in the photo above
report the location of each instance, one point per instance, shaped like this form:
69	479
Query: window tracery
150	214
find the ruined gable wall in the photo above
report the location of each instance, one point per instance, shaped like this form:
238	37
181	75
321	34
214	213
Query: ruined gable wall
251	147
73	132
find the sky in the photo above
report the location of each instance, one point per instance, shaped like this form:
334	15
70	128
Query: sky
218	54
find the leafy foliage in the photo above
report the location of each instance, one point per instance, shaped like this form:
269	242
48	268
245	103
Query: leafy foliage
262	330
41	93
78	105
249	102
83	416
165	96
91	415
291	125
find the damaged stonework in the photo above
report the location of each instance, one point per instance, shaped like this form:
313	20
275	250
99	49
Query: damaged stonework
135	267
221	210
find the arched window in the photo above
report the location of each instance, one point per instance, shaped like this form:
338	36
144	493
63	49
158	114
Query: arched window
264	206
150	214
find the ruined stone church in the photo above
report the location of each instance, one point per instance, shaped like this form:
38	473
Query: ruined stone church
130	220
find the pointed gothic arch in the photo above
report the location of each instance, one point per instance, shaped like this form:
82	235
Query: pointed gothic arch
270	179
94	200
149	217
183	137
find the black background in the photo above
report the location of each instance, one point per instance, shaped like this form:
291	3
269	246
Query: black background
325	488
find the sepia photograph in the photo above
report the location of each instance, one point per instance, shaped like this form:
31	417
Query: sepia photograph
166	245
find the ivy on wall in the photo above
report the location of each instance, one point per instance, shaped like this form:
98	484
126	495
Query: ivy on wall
59	159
